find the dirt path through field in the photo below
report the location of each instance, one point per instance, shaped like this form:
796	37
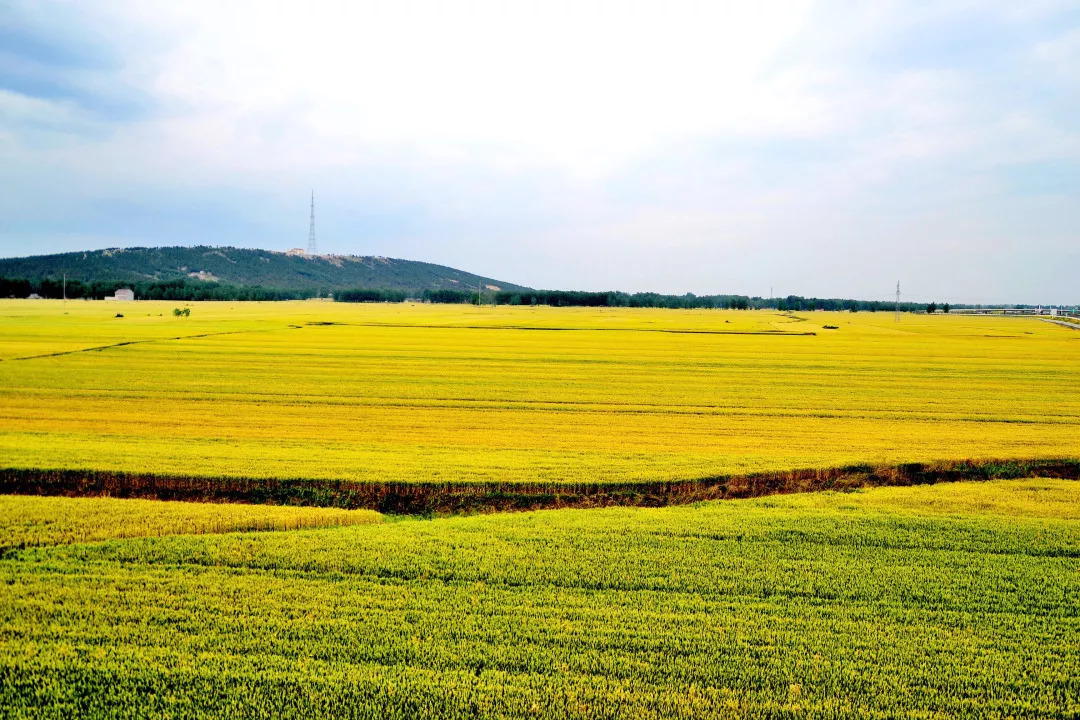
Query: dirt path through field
1071	326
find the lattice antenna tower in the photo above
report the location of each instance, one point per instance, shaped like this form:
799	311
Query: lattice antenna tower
311	232
897	317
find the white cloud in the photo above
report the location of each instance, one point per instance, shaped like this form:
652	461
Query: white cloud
18	109
578	85
1061	55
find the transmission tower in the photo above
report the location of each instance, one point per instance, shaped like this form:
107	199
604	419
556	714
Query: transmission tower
311	232
897	318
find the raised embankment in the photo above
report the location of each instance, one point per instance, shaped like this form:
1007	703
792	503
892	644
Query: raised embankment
430	498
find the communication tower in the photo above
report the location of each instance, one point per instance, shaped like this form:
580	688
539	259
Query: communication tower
311	232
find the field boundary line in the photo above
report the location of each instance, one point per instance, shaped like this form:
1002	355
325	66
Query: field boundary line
672	331
406	498
98	348
1062	323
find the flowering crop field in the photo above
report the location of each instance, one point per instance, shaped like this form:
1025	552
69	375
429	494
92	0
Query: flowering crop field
28	521
956	600
443	394
945	601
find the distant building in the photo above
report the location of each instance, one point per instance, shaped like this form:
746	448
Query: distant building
33	296
296	251
122	294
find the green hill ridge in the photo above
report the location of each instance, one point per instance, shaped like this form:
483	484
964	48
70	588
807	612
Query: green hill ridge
238	266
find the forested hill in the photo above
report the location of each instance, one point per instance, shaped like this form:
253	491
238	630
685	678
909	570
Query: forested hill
235	266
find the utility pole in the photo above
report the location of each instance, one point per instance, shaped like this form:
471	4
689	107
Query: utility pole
897	317
65	287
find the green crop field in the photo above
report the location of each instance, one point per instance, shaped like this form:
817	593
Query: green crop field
946	601
30	521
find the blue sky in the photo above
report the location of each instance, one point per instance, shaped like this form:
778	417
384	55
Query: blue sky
814	148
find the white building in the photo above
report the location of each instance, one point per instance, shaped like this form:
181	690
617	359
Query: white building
122	294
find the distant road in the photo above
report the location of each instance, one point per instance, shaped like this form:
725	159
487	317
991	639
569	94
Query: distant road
1073	326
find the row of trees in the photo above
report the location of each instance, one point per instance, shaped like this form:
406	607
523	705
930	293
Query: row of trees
613	298
179	289
189	290
370	295
689	300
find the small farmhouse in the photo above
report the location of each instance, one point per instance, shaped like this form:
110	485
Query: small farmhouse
122	294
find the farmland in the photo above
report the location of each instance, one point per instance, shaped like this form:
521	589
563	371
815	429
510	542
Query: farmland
30	521
932	601
945	601
450	394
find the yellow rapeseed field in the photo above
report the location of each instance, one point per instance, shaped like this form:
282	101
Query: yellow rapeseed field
442	393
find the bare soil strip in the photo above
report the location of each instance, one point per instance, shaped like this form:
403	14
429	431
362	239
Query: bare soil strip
444	498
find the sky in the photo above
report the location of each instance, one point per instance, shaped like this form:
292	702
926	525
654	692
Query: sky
822	149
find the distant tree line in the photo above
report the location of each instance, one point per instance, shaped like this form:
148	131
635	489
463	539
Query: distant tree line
613	298
191	290
178	289
371	295
385	295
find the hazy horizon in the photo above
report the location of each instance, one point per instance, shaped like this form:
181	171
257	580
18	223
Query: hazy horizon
818	149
